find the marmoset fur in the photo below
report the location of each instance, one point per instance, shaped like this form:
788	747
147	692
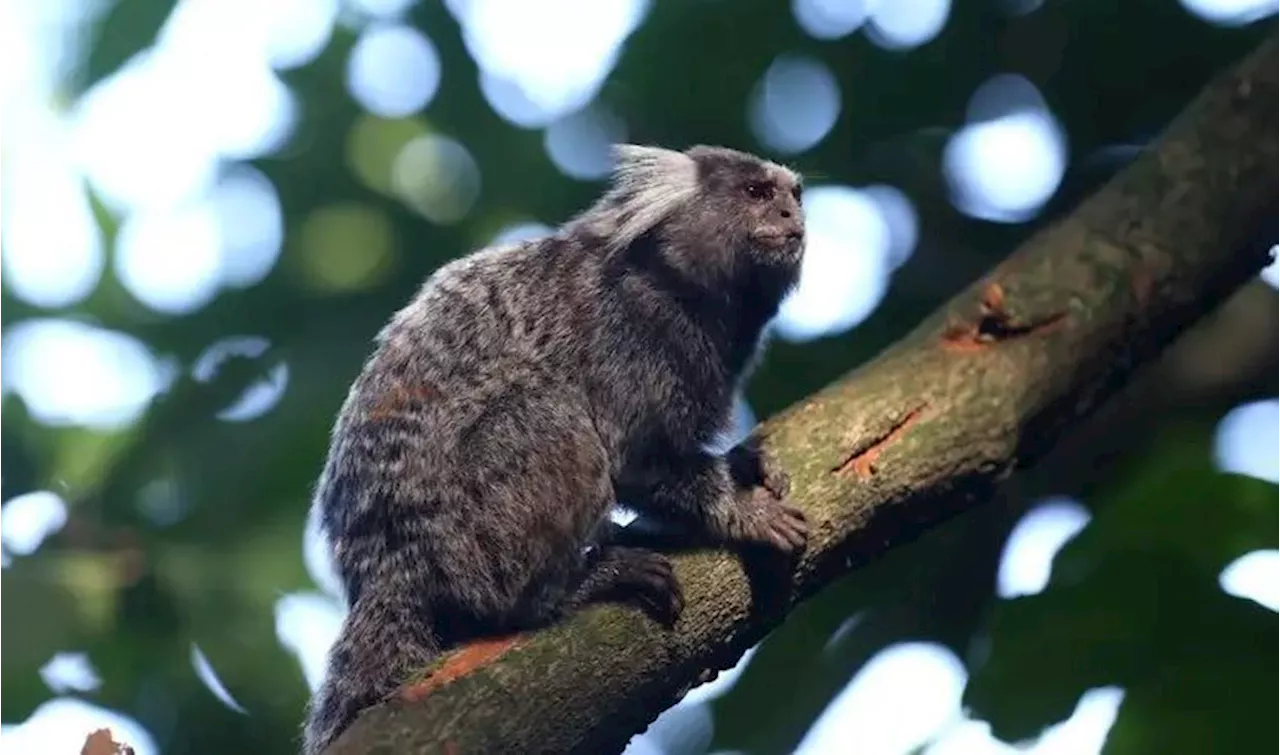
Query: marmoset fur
527	388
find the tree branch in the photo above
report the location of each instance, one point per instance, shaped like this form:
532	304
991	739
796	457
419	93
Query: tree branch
926	430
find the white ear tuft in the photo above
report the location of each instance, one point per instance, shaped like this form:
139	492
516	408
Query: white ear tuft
647	185
638	165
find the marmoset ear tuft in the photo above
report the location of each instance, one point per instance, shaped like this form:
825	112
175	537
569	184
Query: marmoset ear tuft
647	185
642	166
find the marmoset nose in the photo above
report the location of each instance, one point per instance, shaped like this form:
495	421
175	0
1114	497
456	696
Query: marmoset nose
792	226
791	222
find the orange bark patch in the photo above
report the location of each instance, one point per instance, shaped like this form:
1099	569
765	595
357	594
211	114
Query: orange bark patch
995	324
962	337
459	663
993	298
863	462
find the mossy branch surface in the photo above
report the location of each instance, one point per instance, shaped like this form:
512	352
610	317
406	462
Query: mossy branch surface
922	432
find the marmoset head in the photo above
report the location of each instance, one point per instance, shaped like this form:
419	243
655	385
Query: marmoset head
756	202
717	210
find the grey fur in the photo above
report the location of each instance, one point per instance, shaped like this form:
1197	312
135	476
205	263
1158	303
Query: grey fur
525	389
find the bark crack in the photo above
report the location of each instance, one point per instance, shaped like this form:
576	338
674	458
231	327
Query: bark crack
863	461
996	324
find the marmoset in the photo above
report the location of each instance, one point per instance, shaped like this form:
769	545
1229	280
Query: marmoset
528	387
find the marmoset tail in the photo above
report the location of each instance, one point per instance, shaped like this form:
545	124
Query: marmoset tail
528	387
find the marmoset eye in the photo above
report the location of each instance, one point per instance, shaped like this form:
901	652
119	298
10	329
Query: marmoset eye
759	190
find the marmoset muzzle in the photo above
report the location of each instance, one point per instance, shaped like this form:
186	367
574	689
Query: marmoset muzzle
787	236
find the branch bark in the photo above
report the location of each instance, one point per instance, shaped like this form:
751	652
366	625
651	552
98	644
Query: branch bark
926	430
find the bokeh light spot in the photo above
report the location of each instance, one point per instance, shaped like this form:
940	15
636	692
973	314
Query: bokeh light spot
741	421
897	702
26	520
1020	7
512	103
258	397
1027	561
900	216
540	61
829	19
903	24
1254	576
70	672
386	9
438	177
724	681
1230	12
53	252
795	105
393	70
685	727
846	264
1001	95
62	724
171	260
282	34
643	745
209	677
307	624
373	144
1008	163
154	132
297	30
264	112
69	373
346	246
1271	273
579	144
318	556
137	162
1083	733
523	231
1247	440
844	631
162	502
250	225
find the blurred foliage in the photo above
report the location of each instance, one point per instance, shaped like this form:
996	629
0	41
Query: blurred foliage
1133	601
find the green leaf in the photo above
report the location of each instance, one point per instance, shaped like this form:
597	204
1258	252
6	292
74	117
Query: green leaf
1177	503
1134	600
1221	704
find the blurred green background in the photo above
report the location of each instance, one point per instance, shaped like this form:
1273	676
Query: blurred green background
210	207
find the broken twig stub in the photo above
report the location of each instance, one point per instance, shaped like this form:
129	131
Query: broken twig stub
996	323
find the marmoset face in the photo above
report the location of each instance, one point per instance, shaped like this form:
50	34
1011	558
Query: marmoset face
759	200
774	209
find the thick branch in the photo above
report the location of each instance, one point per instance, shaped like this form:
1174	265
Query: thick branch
926	430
